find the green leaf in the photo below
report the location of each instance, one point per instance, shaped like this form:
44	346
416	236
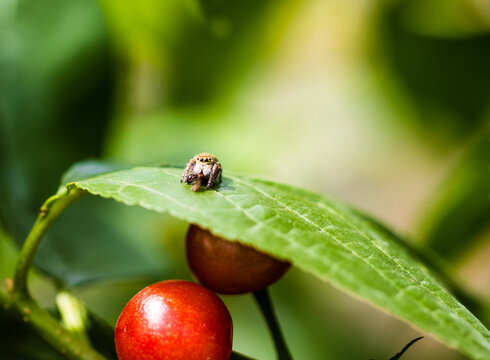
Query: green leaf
460	212
319	235
101	335
53	75
449	86
222	46
88	168
76	249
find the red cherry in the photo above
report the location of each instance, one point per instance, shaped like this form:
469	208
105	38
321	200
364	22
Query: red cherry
229	267
174	320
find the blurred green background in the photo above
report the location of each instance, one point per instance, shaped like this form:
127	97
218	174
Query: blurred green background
383	104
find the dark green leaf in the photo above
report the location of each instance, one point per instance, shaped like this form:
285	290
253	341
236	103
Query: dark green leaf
88	168
101	335
77	248
98	240
19	342
461	210
53	74
208	57
446	77
316	234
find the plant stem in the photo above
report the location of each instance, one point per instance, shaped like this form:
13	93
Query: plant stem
67	343
263	299
48	213
399	355
238	356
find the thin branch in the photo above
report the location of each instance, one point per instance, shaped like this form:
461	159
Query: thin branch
48	213
238	356
399	355
263	299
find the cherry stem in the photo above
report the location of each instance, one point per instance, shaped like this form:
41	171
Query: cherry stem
238	356
263	299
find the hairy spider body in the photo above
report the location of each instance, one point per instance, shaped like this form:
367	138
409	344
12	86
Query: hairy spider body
202	169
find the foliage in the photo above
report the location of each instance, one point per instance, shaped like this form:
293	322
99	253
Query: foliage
316	234
384	105
462	210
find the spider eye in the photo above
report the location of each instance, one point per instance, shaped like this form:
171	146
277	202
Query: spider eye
206	160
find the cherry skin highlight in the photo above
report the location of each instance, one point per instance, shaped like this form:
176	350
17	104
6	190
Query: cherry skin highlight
228	267
174	320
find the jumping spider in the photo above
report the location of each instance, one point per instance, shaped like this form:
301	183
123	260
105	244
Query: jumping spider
202	169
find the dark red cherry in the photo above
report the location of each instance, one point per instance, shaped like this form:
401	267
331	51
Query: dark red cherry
174	320
229	267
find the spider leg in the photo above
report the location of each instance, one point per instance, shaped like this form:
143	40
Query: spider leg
215	176
188	168
197	183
